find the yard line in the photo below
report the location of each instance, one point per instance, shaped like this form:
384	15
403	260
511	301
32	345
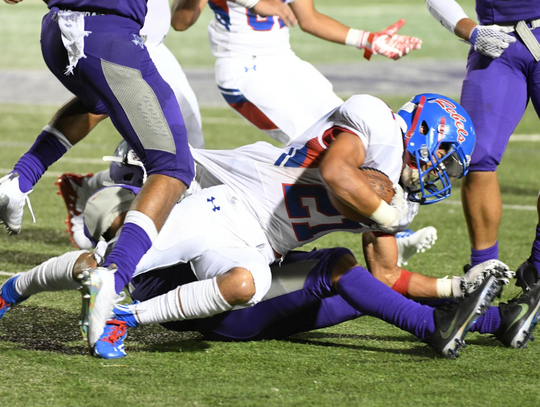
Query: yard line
516	207
5	273
225	120
525	137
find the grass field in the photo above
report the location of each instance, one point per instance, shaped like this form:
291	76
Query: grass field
363	362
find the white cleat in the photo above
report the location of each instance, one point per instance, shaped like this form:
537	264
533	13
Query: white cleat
12	203
98	300
409	243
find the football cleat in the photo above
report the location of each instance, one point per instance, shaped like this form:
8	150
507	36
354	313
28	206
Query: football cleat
125	314
12	203
73	189
410	242
519	318
9	297
526	275
110	344
452	321
98	300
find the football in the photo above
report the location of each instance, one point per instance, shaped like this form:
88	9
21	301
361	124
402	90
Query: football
378	181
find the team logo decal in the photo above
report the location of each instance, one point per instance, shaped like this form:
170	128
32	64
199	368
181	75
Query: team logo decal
459	120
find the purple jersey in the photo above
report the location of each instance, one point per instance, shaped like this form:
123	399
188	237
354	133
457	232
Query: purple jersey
506	11
133	9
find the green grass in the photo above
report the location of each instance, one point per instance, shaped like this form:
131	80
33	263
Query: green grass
362	362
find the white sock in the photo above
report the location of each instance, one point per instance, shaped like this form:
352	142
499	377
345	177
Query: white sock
200	299
55	274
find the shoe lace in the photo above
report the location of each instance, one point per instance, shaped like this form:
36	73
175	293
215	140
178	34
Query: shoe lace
116	329
30	208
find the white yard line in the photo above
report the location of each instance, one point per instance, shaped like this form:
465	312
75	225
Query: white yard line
515	207
5	273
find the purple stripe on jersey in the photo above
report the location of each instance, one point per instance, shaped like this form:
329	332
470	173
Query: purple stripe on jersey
133	9
505	11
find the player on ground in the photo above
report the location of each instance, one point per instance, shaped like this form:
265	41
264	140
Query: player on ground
502	74
273	200
259	75
94	48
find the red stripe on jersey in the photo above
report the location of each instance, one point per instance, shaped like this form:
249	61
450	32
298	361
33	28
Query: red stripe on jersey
315	151
254	115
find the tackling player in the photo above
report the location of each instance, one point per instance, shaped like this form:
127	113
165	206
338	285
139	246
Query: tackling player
502	74
259	75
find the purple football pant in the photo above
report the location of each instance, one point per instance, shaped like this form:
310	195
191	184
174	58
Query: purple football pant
495	93
118	78
300	299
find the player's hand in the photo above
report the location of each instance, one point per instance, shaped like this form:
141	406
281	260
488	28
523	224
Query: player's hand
387	43
470	281
405	212
491	40
275	8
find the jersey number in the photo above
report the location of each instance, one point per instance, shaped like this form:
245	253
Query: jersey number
300	200
259	23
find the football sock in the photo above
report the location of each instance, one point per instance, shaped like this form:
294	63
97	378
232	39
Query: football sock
8	292
54	275
535	251
49	146
199	299
480	256
371	297
134	241
487	323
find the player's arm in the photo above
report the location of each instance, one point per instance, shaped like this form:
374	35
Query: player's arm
339	171
14	1
385	43
185	13
489	40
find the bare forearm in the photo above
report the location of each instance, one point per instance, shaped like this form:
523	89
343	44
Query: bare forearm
185	13
326	28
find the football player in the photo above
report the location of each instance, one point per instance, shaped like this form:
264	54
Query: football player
258	202
502	74
259	75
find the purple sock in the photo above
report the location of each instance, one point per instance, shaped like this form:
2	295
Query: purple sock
480	256
371	297
46	150
489	322
132	244
535	251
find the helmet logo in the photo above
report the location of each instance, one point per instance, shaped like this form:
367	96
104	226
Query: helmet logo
459	120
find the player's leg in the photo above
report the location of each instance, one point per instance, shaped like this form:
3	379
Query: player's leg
494	94
56	274
171	71
143	108
281	95
533	262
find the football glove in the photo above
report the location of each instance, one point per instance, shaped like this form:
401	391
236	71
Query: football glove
491	40
387	43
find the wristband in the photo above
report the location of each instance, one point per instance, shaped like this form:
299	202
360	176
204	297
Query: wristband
384	215
247	3
357	38
444	287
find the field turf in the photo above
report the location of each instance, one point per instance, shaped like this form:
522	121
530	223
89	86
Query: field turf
364	362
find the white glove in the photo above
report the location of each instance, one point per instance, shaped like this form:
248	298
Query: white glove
491	40
470	281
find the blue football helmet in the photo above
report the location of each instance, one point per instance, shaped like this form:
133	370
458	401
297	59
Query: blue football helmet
126	168
439	142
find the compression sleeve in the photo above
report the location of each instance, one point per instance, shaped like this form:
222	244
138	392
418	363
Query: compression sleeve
447	12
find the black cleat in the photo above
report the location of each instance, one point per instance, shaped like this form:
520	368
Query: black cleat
452	322
526	275
519	318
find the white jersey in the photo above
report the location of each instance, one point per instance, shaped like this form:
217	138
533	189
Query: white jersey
282	187
157	22
237	31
